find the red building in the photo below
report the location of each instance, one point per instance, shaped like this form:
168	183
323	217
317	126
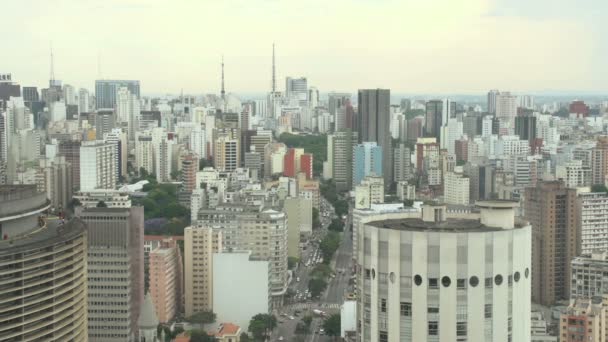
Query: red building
579	108
289	163
306	165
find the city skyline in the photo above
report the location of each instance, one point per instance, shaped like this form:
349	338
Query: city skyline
434	47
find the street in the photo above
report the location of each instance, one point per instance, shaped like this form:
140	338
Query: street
331	299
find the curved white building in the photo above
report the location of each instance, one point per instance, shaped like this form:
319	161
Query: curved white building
43	294
438	278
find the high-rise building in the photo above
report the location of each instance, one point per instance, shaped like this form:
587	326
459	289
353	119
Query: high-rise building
374	125
44	272
589	275
83	101
525	127
299	222
402	163
574	173
599	160
128	110
491	104
406	105
30	94
166	279
340	158
263	231
291	164
433	119
188	172
115	270
56	180
551	209
370	191
336	101
579	108
106	91
105	121
506	107
163	158
443	278
593	211
199	245
144	153
69	94
456	188
119	139
297	88
98	165
70	149
226	155
367	160
584	320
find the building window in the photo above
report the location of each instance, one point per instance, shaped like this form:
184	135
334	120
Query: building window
488	282
461	329
433	310
433	328
488	311
461	284
383	336
383	305
406	309
433	283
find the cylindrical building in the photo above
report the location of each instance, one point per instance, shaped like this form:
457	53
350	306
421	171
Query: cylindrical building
42	271
439	278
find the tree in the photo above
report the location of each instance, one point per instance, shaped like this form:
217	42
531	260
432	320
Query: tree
316	223
599	188
316	286
336	225
291	262
329	245
101	204
261	325
74	203
332	325
203	317
203	163
200	336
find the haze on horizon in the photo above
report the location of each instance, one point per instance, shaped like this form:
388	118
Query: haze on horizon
416	46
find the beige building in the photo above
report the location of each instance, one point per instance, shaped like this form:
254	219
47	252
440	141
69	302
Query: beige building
584	320
299	222
199	245
227	154
43	287
370	191
166	279
551	209
456	188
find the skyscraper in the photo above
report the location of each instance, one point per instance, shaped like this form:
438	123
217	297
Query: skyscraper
115	270
433	119
506	107
98	165
106	90
491	104
44	273
374	125
551	209
367	160
340	158
128	110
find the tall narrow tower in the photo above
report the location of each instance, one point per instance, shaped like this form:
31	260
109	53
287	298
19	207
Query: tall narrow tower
223	90
274	80
52	79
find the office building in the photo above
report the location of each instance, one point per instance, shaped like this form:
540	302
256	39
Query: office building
105	121
367	160
200	243
406	191
291	164
70	149
456	187
83	101
336	101
163	158
247	282
525	127
340	158
98	165
128	110
402	163
115	271
599	161
166	279
297	89
107	90
44	273
144	153
369	191
56	181
433	119
491	104
574	173
374	125
443	278
506	107
226	155
30	94
551	209
119	139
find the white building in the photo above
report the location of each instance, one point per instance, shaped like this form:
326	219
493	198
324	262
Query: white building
57	112
435	278
144	152
406	191
370	191
83	101
486	126
511	145
456	187
98	168
299	222
119	139
506	107
574	173
240	287
593	209
163	159
198	142
128	110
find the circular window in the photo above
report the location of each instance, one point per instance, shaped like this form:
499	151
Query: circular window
527	272
498	280
516	276
474	281
391	277
445	281
373	273
417	280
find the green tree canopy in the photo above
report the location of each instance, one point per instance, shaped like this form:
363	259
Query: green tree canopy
101	204
200	336
316	286
599	188
261	325
203	317
332	325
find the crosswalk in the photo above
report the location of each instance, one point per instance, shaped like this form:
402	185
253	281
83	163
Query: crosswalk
302	306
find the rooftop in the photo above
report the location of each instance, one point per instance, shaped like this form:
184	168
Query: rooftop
53	232
227	329
448	226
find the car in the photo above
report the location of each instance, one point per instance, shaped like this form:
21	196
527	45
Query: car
291	318
280	338
297	278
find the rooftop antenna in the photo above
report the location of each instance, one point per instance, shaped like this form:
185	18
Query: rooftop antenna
52	66
223	90
99	65
274	80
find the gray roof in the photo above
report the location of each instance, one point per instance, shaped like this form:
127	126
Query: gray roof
147	317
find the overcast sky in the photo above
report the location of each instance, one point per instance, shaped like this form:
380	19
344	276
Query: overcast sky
411	46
